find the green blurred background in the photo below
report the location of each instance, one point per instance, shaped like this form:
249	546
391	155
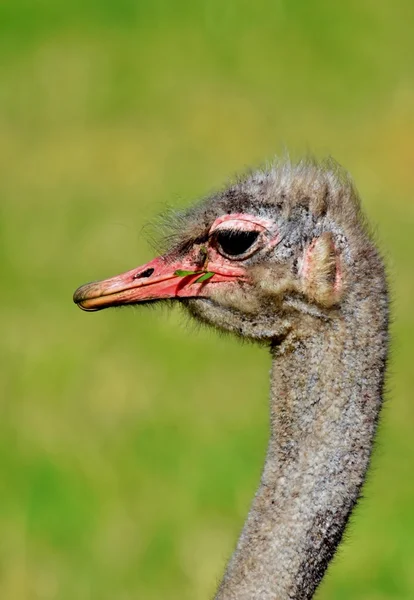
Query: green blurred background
131	443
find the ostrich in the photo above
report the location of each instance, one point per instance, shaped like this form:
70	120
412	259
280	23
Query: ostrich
283	256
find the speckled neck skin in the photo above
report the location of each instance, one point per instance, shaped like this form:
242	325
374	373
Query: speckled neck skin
325	399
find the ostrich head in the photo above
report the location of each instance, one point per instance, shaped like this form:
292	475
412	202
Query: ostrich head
257	259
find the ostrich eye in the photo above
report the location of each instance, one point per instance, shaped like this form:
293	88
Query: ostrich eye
235	243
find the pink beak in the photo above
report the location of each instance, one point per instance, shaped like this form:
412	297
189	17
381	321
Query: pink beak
157	279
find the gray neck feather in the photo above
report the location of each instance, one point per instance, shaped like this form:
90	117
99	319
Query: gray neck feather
325	400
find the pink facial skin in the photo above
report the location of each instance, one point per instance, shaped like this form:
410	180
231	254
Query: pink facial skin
243	222
158	278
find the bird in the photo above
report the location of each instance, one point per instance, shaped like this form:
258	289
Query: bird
284	256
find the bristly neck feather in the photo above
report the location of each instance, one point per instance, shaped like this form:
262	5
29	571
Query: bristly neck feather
326	396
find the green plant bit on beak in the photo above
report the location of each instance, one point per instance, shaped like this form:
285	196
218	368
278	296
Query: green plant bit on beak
205	275
180	273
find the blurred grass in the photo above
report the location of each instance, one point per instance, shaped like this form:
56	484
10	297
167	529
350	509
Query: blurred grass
120	477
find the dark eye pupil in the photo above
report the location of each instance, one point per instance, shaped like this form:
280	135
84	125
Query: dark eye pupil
234	243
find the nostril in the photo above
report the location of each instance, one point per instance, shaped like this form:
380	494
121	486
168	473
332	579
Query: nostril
146	273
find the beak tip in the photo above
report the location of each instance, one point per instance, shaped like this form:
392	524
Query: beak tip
82	294
79	294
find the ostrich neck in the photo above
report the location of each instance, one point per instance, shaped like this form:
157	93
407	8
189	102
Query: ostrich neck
325	398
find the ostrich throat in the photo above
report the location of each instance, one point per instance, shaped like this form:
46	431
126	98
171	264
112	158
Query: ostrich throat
324	403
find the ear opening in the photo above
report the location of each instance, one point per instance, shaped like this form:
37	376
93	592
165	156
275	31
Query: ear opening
321	271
